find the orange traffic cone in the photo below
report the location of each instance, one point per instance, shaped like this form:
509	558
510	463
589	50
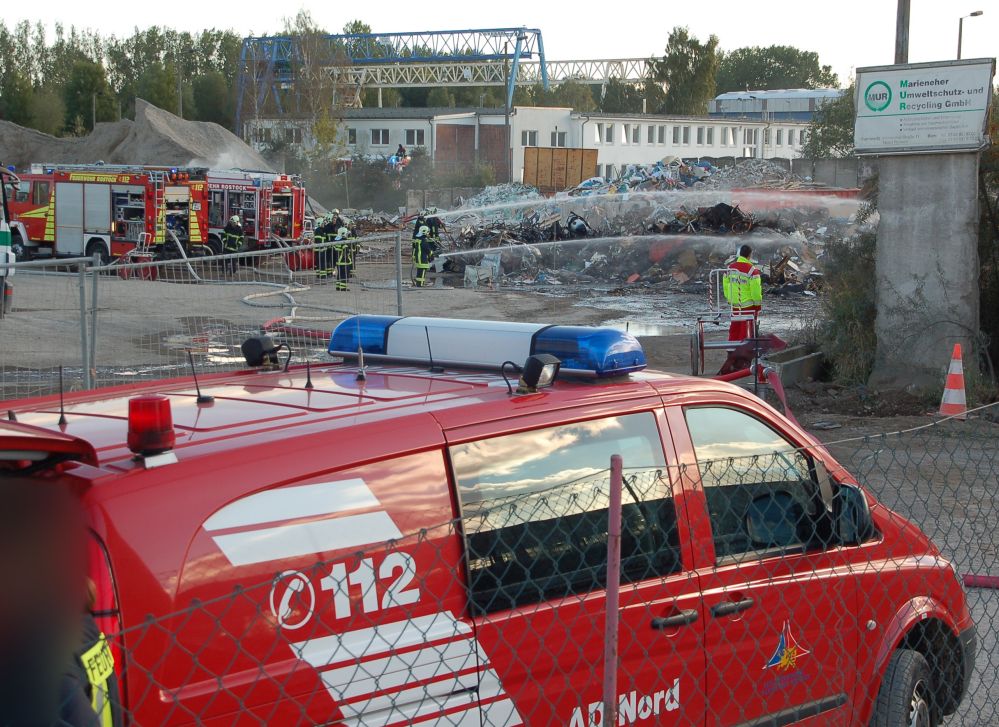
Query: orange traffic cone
954	403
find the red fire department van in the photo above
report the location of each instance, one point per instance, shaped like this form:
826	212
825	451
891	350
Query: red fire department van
80	210
268	205
416	542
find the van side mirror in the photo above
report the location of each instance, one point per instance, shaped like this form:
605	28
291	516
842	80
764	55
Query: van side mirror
852	516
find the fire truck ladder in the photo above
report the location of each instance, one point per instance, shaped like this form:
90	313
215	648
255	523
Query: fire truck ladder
159	206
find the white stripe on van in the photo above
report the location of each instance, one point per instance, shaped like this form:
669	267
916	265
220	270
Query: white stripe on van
384	691
321	536
289	503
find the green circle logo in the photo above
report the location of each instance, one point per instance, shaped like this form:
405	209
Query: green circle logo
877	96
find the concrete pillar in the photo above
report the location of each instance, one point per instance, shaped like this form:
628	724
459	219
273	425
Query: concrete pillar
927	267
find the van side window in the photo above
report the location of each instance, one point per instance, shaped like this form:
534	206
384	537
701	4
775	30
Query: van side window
760	492
534	510
40	193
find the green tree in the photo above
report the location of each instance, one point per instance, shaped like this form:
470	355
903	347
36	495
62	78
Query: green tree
15	97
569	94
157	84
86	90
777	66
830	133
440	97
213	98
48	112
621	98
688	67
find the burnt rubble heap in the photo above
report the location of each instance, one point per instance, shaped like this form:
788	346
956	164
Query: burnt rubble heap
652	238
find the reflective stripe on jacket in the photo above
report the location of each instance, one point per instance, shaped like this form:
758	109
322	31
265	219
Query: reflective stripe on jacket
742	285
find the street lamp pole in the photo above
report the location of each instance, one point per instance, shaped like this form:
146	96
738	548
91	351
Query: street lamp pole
960	30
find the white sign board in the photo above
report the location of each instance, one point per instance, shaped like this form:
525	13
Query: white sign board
923	107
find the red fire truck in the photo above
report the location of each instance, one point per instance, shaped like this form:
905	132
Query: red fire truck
414	542
80	210
269	206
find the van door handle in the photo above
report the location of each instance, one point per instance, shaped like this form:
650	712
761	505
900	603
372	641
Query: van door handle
678	619
729	607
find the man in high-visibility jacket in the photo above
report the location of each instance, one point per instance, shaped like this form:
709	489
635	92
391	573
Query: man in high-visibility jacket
744	291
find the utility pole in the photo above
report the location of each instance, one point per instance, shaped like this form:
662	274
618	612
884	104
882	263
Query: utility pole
902	33
506	105
93	111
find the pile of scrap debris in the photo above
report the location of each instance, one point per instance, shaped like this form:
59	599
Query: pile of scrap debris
648	240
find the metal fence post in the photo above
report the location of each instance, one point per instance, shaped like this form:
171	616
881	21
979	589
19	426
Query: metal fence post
613	592
93	317
84	352
398	273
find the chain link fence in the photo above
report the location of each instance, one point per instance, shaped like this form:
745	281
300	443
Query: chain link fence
730	590
136	319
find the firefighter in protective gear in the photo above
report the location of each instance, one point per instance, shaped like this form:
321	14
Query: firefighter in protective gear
324	257
421	221
232	241
423	253
341	247
743	289
435	223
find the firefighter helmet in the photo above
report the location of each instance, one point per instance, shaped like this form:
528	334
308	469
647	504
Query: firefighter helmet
424	231
234	220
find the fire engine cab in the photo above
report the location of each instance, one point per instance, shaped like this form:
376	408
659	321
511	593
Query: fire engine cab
271	206
420	536
87	209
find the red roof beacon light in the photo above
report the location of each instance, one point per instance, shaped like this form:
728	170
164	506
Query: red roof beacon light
150	425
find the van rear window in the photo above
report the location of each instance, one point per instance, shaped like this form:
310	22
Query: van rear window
534	510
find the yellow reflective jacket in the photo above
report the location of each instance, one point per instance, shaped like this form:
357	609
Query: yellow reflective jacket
742	285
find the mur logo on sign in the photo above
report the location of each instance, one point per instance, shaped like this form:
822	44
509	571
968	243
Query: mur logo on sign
877	96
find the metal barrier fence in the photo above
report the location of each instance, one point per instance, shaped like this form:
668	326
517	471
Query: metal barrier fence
118	323
752	590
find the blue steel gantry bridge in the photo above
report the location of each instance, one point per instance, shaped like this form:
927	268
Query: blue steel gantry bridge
274	69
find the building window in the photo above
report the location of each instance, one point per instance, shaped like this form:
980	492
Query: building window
662	134
609	172
780	137
379	137
801	138
600	133
766	136
790	137
558	138
711	136
554	545
352	137
636	134
609	136
626	136
296	134
676	135
416	137
686	135
700	136
529	138
651	135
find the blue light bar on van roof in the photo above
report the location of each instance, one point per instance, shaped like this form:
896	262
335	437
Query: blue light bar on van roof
487	344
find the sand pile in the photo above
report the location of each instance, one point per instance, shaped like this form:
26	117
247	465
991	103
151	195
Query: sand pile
155	137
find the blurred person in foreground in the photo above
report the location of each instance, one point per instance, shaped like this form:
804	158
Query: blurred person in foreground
54	663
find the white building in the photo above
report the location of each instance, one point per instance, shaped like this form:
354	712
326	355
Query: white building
461	138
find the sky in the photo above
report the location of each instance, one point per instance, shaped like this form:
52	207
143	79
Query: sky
845	33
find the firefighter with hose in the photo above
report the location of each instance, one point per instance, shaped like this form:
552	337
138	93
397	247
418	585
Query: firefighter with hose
743	289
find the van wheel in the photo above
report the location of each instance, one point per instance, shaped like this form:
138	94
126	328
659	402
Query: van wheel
98	246
906	695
